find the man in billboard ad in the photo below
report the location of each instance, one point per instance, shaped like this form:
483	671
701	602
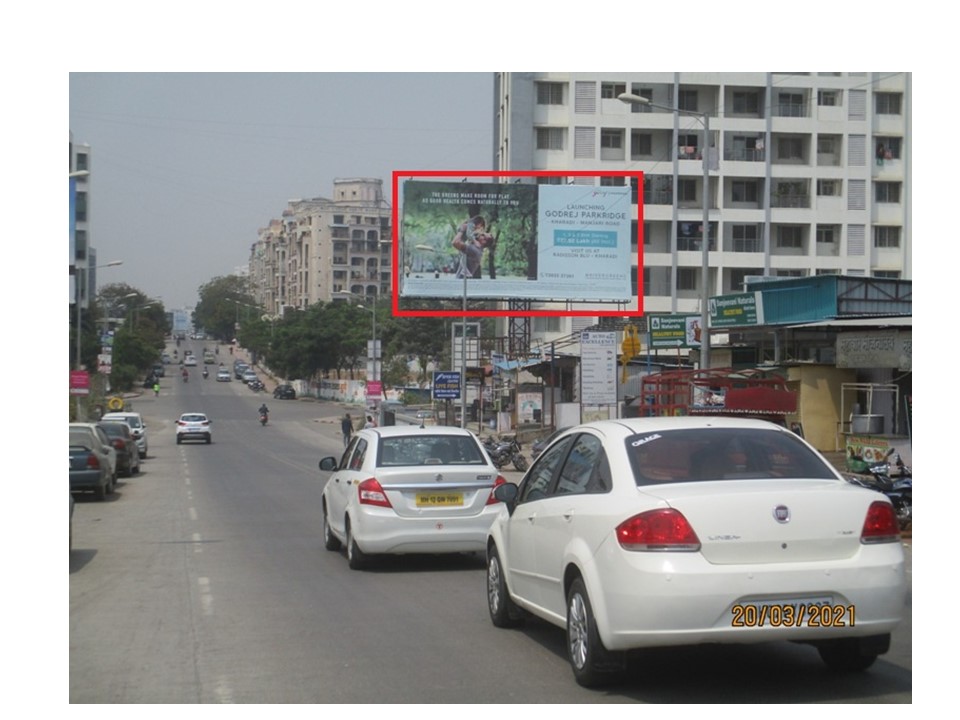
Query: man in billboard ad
516	240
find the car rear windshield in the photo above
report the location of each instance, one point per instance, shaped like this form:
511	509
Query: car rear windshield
194	418
429	450
705	454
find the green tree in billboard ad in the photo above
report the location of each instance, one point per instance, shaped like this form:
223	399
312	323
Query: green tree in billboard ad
467	223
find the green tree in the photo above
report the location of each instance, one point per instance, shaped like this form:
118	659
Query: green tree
222	302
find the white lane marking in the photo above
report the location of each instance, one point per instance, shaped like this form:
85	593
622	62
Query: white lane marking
206	597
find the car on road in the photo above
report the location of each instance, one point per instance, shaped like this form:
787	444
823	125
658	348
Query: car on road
165	358
194	426
123	441
407	489
137	425
190	361
285	392
93	460
249	376
650	532
223	375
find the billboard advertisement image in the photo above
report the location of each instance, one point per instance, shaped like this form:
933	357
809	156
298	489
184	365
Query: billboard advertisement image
516	241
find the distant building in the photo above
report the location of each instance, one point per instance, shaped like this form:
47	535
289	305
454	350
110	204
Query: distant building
323	249
83	261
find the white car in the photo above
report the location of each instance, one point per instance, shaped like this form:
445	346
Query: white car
194	426
189	361
137	426
223	375
680	531
409	489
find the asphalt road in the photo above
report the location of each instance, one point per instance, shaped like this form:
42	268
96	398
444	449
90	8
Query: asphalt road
204	580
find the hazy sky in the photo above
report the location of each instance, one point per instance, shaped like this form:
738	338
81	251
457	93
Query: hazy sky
185	167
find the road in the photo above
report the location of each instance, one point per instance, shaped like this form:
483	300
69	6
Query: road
204	580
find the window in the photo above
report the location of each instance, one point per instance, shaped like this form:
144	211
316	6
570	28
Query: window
550	138
828	188
686	190
790	148
610	90
738	276
688	146
828	98
791	273
890	147
828	233
687	100
888	103
886	236
889	274
887	192
791	104
549	93
80	207
537	483
790	236
746	103
546	324
687	278
644	93
744	191
826	145
82	161
550	180
746	238
612	181
641	144
338	220
611	138
586	469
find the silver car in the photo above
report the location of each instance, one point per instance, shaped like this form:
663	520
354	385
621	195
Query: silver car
408	489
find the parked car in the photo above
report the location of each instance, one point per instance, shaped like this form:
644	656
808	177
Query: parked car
239	368
137	425
194	426
158	370
223	375
538	445
406	489
165	358
665	531
249	376
93	460
285	392
123	441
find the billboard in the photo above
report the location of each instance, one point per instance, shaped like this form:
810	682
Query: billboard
507	241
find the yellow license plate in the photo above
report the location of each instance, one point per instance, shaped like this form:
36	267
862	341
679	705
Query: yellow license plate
439	499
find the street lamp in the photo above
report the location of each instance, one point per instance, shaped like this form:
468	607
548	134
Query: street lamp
704	120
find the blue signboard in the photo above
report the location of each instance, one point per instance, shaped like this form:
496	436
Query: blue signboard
446	386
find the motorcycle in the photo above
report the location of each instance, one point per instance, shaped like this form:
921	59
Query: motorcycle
206	374
504	452
897	487
263	418
186	377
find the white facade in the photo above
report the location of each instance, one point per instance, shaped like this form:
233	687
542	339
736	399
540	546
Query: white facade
811	170
84	260
324	249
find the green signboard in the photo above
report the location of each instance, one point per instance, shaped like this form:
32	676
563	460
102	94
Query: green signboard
673	331
736	310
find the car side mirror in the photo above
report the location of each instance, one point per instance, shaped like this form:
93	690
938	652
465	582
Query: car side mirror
507	494
328	464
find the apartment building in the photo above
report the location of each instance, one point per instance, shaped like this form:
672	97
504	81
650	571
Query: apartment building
83	260
323	249
809	172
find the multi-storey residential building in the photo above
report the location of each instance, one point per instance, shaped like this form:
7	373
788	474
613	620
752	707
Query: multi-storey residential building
83	262
324	249
810	172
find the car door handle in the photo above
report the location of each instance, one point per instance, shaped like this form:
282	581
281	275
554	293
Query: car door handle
568	515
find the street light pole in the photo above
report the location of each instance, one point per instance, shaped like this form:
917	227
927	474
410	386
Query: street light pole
704	120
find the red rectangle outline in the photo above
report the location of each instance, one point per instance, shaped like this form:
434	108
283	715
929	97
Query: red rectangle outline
395	276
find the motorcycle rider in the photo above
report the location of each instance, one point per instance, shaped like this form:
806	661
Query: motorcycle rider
206	374
264	412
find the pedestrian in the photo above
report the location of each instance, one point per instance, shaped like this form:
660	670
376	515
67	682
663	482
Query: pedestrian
346	427
156	389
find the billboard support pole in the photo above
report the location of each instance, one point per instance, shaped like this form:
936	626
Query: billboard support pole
463	356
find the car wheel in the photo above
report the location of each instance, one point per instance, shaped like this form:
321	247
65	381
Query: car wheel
504	613
179	440
330	541
209	439
593	665
853	654
356	558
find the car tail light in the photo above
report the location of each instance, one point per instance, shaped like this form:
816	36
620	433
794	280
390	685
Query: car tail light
881	524
119	444
370	493
93	461
658	530
501	480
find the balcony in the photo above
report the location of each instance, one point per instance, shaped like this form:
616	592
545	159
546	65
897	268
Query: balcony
790	201
658	197
745	154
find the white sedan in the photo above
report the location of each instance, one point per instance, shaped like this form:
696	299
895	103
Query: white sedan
680	531
409	489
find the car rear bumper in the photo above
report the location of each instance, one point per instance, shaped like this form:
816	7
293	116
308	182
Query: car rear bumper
193	436
86	480
380	530
680	599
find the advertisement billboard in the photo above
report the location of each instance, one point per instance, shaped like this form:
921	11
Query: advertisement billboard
512	240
